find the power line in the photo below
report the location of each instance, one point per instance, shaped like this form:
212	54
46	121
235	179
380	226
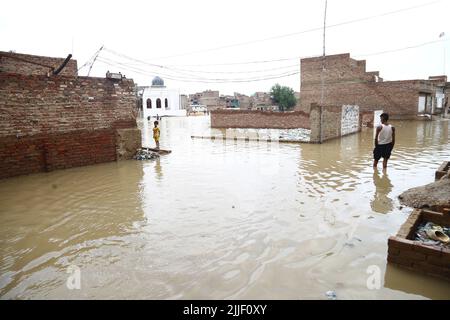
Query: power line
208	80
400	49
186	71
95	58
181	71
202	80
236	63
249	71
91	59
301	32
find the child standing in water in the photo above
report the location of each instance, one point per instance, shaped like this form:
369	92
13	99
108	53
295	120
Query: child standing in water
156	134
384	141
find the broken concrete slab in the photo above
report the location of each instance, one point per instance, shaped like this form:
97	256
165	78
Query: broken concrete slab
435	195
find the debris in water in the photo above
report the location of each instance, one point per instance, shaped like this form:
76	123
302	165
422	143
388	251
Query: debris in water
432	234
348	244
143	154
331	295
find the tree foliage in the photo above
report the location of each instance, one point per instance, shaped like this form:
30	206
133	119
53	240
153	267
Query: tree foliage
284	97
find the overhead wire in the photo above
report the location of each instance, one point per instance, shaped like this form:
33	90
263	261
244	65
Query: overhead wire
173	72
303	31
202	80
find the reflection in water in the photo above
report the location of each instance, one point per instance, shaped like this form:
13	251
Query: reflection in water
410	282
158	169
218	219
381	203
51	221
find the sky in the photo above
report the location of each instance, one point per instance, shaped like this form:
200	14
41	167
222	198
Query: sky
230	45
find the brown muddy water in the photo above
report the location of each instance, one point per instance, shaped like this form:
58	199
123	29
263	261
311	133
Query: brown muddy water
220	220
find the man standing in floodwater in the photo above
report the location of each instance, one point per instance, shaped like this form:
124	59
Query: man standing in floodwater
384	141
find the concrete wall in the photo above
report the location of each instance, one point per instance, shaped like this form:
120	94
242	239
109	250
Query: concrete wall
20	63
60	122
259	119
331	122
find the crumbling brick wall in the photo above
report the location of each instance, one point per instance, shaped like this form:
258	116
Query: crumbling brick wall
58	122
413	255
259	119
347	82
20	63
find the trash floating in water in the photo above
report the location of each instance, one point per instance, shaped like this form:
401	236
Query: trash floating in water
331	295
434	235
143	154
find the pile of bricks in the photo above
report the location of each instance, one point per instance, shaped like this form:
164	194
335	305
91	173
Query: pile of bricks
407	253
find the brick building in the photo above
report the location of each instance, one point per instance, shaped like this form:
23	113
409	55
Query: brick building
262	101
244	101
59	121
346	82
26	64
208	98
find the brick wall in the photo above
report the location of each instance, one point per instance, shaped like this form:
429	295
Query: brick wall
325	122
8	64
60	122
347	82
412	255
259	119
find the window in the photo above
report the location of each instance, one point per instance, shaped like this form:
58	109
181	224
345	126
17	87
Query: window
149	103
166	103
158	103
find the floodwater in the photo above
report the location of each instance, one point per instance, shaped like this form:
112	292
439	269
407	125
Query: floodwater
220	220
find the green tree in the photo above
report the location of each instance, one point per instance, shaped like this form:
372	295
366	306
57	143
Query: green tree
283	97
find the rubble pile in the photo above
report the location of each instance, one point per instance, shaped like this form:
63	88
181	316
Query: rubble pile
144	154
434	235
295	134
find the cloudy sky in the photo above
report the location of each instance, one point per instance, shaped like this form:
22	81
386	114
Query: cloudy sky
230	45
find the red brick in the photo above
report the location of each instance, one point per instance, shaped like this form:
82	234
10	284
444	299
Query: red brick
442	261
400	243
400	261
60	137
259	119
348	83
412	255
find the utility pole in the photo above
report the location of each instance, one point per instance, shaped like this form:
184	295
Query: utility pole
443	44
322	75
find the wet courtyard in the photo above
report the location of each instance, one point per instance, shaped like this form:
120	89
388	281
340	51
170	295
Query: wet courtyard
221	219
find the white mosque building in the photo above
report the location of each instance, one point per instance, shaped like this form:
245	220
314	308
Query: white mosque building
158	100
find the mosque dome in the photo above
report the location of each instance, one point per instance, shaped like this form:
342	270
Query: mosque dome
157	82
